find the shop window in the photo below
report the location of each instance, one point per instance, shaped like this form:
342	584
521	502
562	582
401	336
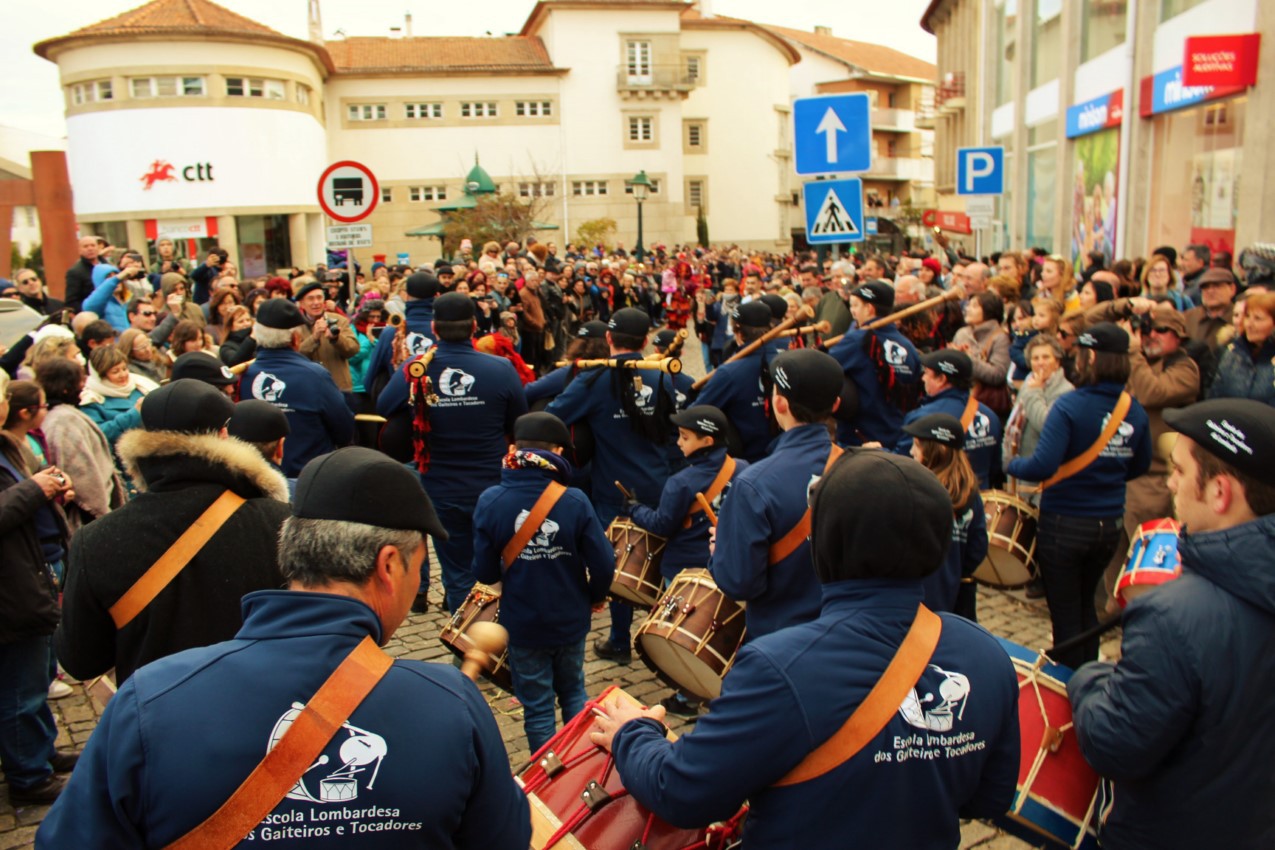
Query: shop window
366	111
481	109
533	108
588	188
421	111
420	194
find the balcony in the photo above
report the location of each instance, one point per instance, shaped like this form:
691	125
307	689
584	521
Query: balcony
653	82
894	120
925	116
901	168
950	94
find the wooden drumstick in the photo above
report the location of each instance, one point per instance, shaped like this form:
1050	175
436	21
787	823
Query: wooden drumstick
624	491
488	639
708	509
370	417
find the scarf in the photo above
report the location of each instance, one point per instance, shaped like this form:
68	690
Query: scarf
97	391
556	465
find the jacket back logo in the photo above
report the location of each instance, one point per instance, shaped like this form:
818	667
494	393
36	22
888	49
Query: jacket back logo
937	714
417	343
350	754
268	387
895	354
455	382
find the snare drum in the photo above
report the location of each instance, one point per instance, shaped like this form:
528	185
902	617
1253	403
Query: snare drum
1153	559
1011	538
578	801
1057	789
482	605
637	563
691	637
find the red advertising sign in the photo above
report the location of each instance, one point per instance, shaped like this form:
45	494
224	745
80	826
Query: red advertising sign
956	222
1221	60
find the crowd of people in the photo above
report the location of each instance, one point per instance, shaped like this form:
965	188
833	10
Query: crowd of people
845	466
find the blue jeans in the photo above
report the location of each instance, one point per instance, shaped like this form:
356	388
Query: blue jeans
1072	552
456	556
621	612
540	674
27	730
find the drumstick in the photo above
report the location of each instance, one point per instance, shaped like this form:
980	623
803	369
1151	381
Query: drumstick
708	509
1087	634
625	492
488	639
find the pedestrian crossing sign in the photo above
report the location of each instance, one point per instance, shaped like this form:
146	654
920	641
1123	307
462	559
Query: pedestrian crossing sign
834	210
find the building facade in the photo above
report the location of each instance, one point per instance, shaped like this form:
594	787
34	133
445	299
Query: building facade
189	121
1107	148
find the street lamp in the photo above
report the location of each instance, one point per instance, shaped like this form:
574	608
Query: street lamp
640	186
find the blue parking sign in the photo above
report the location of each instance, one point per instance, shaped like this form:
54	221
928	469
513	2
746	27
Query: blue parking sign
832	134
980	171
834	211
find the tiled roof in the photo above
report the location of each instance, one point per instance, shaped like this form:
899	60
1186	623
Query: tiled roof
447	54
874	58
177	17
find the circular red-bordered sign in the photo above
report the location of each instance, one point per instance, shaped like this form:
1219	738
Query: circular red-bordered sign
348	191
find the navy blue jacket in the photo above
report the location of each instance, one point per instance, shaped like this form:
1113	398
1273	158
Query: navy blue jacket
318	417
950	752
982	438
621	454
479	397
736	390
968	549
1177	724
563	571
550	386
418	318
1072	426
183	732
878	419
687	548
766	502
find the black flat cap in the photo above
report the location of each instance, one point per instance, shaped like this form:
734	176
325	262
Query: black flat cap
593	330
203	367
630	321
257	421
956	365
188	406
543	428
878	293
279	313
754	314
306	289
940	427
1240	431
355	484
702	419
1104	336
892	502
423	285
777	303
808	377
453	307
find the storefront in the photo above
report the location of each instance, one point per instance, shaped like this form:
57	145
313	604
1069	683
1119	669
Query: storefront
1094	129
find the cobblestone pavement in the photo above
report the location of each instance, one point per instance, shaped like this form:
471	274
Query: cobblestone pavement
1007	614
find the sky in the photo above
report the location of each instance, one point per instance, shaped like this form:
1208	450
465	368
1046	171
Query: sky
30	96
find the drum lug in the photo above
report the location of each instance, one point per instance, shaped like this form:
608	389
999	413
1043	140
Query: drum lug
594	795
1053	739
550	764
637	845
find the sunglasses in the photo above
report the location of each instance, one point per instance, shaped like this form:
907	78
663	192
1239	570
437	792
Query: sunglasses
146	312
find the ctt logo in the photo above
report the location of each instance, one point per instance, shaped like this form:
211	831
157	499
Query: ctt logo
162	171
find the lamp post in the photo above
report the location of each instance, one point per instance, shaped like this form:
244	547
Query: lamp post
640	185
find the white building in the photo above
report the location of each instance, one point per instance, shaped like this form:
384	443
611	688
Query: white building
187	119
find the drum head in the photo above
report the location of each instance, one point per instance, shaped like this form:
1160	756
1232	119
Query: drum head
680	667
1004	570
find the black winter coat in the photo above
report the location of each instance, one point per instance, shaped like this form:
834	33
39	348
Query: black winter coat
28	590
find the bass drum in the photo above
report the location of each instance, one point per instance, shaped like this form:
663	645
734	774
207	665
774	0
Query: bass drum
1011	538
691	637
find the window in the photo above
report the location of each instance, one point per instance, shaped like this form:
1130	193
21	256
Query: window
536	190
104	90
1006	26
387	194
1173	8
1102	26
695	193
192	86
891	148
533	108
638	61
654	190
275	90
1042	183
303	94
696	136
424	110
91	92
694	68
416	194
143	87
586	188
478	110
641	128
891	100
1047	46
366	112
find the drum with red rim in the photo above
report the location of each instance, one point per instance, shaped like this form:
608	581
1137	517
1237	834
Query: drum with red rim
1153	559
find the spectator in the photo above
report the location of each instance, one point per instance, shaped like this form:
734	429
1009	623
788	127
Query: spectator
143	357
1158	281
112	395
79	277
1195	261
1247	365
987	344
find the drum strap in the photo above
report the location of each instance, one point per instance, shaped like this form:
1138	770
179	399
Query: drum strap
795	537
548	498
714	490
967	415
295	752
172	562
879	706
1089	455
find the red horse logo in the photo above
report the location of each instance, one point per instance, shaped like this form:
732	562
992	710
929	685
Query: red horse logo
160	170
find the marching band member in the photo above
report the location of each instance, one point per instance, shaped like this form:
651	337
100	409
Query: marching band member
947	375
737	388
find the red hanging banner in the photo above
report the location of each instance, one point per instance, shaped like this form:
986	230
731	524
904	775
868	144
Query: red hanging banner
1221	60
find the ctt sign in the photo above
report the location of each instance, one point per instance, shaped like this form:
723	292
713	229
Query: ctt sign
163	171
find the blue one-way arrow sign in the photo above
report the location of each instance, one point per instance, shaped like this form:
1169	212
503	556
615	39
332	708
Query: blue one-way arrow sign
834	210
832	134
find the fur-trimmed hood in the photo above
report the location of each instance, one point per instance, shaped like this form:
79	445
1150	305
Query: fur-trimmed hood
164	460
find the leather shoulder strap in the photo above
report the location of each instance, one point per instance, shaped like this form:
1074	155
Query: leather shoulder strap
799	532
295	752
172	562
548	498
967	415
880	704
1089	455
714	490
